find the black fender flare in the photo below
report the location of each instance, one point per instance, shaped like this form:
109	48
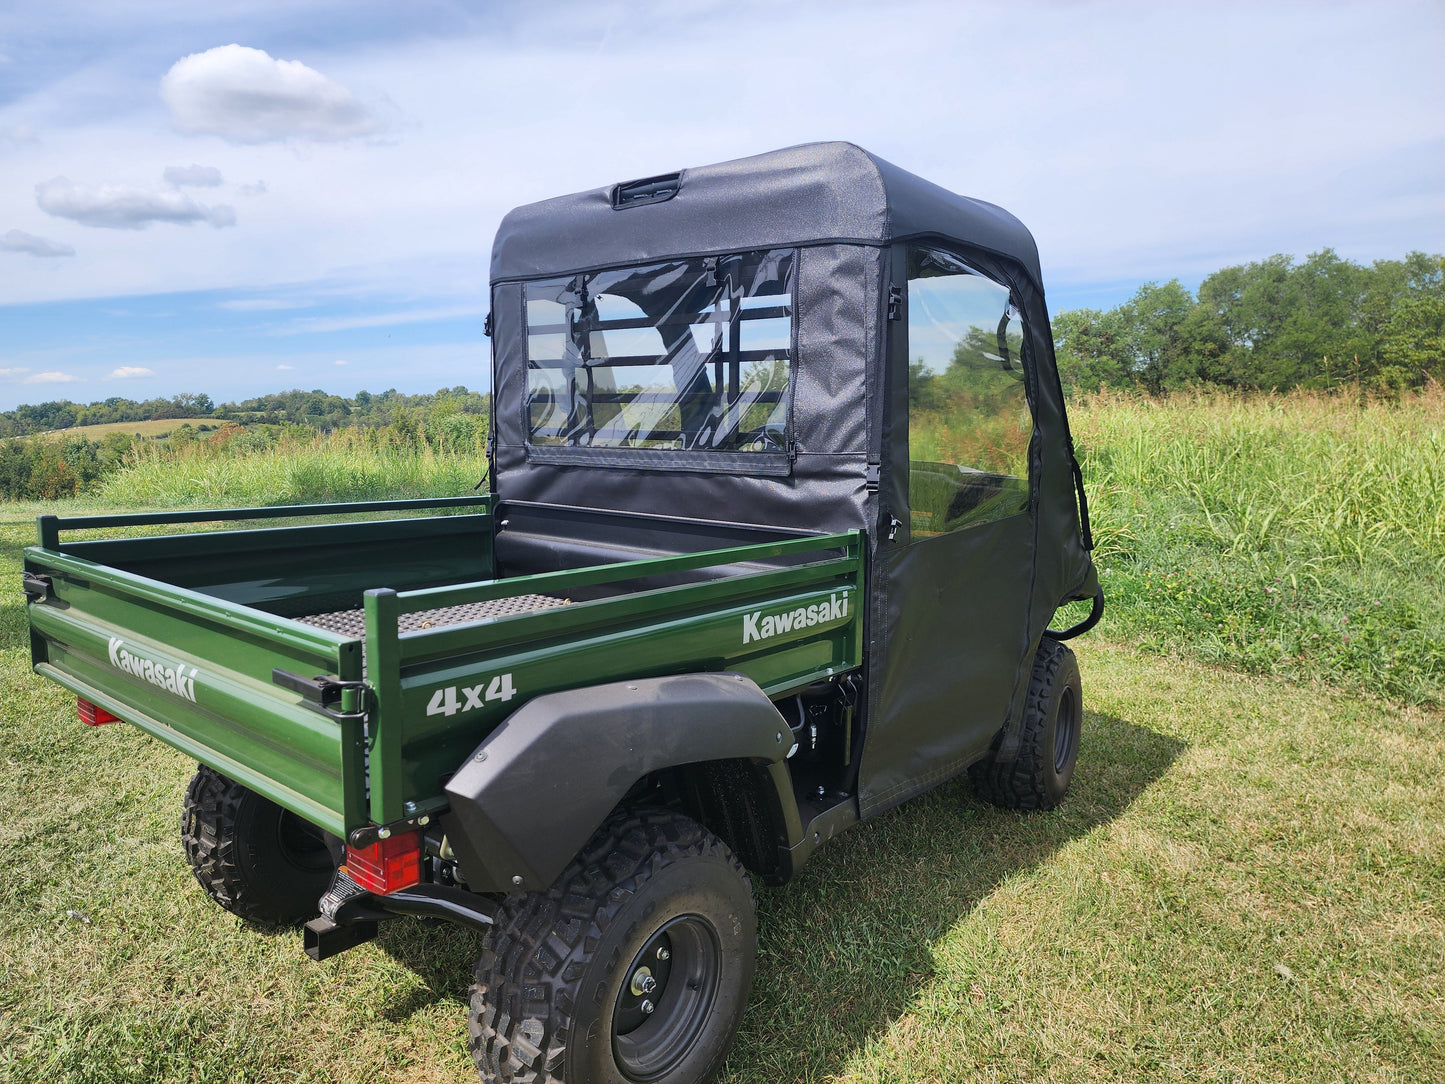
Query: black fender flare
530	796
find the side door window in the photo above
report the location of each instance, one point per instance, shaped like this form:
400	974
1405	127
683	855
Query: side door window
969	418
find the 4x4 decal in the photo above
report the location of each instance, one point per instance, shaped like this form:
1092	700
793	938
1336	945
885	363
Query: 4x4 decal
445	701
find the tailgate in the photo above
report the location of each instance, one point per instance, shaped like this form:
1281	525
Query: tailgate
196	672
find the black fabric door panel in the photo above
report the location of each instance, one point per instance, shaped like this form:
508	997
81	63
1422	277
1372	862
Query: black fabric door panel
957	628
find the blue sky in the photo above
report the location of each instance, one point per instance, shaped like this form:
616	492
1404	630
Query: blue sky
237	197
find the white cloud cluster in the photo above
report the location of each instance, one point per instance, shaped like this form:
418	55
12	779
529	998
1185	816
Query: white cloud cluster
41	378
125	372
20	241
54	378
197	176
247	96
120	207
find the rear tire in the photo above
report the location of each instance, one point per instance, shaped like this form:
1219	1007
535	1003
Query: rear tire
1049	744
252	857
634	967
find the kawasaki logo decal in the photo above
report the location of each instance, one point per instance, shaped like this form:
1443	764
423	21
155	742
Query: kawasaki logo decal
173	679
758	627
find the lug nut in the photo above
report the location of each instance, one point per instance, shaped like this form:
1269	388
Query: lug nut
663	954
648	1007
643	982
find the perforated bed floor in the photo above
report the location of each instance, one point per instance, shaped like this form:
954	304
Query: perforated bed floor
353	622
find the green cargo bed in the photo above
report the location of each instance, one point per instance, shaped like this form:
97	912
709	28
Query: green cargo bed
424	645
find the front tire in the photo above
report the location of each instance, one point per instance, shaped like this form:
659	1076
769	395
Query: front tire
634	967
252	857
1040	775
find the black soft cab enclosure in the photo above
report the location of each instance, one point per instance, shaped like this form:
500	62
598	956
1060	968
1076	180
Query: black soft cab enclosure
814	339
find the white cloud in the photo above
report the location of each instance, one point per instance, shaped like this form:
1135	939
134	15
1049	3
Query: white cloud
312	324
53	378
13	372
20	241
127	371
1145	109
261	304
200	176
120	207
247	96
285	368
339	363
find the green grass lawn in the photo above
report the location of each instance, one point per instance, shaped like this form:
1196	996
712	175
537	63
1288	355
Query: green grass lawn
1246	882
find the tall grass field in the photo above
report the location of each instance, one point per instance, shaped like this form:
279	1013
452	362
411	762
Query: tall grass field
1246	882
348	464
1301	535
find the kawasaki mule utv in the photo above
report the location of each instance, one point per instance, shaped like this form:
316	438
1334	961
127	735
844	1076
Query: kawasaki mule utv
784	504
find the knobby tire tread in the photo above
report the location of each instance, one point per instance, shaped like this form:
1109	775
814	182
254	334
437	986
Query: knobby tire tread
542	942
1022	783
209	836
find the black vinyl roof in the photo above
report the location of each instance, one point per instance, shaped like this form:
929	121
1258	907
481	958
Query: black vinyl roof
814	193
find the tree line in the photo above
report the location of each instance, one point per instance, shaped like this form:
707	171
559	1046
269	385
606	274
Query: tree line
317	409
1274	325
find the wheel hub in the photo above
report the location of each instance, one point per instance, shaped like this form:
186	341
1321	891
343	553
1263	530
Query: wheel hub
668	995
647	986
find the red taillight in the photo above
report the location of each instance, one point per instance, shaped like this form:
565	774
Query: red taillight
92	715
388	865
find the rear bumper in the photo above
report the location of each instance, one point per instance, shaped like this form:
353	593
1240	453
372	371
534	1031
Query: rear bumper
351	916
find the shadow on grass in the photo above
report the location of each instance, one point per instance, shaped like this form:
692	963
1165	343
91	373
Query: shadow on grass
442	957
845	949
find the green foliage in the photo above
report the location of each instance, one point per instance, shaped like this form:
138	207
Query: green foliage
410	442
298	465
1300	535
41	469
318	410
315	409
26	419
1271	325
975	412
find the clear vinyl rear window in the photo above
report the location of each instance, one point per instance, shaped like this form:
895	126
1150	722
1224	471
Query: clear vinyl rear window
691	354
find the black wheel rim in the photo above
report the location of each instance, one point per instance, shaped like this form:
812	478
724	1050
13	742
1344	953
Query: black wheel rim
301	843
1066	731
683	962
